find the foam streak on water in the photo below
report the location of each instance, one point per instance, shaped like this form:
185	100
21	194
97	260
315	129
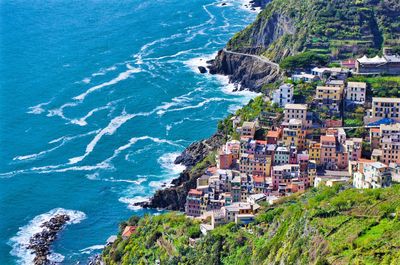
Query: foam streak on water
97	106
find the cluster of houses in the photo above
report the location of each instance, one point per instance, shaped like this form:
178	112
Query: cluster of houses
291	157
387	64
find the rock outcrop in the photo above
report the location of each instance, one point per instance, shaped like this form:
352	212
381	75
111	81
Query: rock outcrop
247	71
40	242
174	198
259	3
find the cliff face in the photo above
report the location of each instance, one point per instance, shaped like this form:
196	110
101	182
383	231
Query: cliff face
339	29
250	72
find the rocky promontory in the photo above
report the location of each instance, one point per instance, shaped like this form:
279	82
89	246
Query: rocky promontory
174	198
40	242
249	71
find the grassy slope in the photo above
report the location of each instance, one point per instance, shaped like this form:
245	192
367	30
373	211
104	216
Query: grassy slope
324	226
334	27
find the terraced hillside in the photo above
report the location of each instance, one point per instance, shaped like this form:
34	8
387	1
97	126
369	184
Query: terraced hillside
324	226
339	28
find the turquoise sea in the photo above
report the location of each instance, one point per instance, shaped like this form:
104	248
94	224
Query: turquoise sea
97	99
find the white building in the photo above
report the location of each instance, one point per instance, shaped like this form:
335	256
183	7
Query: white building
356	92
296	111
308	78
283	95
374	175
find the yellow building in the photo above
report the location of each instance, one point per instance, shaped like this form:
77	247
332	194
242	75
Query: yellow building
330	96
293	134
314	152
383	108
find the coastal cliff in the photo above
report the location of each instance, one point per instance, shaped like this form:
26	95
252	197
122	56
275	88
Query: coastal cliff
248	72
338	29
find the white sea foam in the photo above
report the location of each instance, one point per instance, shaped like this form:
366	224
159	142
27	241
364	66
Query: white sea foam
90	249
34	156
69	138
20	241
120	77
198	105
38	109
60	111
82	121
167	163
63	140
110	129
132	201
194	63
86	80
246	5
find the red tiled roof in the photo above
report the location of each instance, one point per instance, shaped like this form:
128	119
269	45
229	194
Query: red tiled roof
258	179
129	230
195	192
274	134
328	138
376	130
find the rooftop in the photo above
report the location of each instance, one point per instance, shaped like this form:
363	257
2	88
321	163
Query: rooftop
195	192
296	106
248	124
375	60
386	100
328	88
328	138
357	84
274	134
335	82
128	231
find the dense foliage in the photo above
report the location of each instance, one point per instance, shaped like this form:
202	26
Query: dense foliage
322	226
381	86
304	60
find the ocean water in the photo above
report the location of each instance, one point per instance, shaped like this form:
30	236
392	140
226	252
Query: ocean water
97	99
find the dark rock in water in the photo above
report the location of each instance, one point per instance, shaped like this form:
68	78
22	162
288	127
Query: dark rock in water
223	4
259	3
94	260
40	242
202	69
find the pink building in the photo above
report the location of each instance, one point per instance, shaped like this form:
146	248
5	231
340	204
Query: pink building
225	160
274	136
193	203
284	174
333	153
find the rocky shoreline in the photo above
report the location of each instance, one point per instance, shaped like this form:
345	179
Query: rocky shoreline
40	243
246	72
174	198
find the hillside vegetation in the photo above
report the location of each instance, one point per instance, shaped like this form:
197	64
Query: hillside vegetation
321	226
339	28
